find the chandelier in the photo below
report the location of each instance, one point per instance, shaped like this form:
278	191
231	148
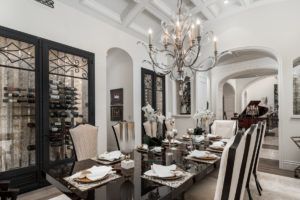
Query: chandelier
179	52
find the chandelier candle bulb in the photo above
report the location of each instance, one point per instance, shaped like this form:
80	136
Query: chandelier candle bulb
198	27
150	36
215	43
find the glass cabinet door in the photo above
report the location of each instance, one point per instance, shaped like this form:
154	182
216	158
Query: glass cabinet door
17	104
68	101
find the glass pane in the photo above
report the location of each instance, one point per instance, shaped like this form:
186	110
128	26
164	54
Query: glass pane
159	101
17	104
296	87
68	101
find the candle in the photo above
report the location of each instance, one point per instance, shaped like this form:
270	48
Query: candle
177	29
190	38
215	43
193	32
165	41
150	36
198	28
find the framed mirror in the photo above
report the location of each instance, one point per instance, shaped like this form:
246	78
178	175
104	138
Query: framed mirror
296	88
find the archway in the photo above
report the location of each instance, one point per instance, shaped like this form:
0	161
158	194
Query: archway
119	66
228	101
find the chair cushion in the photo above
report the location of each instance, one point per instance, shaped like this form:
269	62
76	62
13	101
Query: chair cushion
85	141
224	128
204	189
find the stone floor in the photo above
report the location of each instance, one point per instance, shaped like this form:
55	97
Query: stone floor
276	188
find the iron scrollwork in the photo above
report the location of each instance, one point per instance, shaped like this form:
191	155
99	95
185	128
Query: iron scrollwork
17	54
64	64
49	3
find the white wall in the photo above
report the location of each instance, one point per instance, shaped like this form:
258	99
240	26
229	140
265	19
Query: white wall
274	26
266	89
229	100
69	26
119	75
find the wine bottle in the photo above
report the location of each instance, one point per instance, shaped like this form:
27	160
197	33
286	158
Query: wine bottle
31	101
31	125
55	92
31	95
14	89
54	128
9	100
53	86
55	82
14	94
55	97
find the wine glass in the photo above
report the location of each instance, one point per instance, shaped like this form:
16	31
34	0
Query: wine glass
169	137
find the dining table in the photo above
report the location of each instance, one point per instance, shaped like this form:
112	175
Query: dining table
131	184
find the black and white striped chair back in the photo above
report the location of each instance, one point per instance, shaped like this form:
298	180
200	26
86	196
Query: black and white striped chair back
247	163
235	165
259	145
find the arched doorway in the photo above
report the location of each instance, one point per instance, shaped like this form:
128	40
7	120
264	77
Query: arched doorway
228	101
119	76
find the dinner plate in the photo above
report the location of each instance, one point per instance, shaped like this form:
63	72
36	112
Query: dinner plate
175	177
85	180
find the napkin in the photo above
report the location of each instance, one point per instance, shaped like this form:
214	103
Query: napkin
96	172
212	136
111	156
198	138
173	141
156	149
218	144
201	154
161	171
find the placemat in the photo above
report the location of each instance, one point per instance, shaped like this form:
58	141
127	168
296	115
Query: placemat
170	183
84	187
202	161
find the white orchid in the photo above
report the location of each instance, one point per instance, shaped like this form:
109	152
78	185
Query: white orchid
204	116
152	115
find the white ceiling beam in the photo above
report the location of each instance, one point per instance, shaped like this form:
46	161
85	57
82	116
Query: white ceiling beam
129	17
201	7
159	14
245	3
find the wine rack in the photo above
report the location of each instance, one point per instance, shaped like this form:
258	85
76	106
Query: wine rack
68	105
46	88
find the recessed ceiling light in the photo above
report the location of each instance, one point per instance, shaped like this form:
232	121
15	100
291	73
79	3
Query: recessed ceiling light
226	1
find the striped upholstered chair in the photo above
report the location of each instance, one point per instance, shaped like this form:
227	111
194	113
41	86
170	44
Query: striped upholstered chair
234	168
84	139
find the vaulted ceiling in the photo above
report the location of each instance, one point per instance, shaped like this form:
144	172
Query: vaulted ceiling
137	16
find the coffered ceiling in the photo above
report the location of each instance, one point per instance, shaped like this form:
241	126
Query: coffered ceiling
137	16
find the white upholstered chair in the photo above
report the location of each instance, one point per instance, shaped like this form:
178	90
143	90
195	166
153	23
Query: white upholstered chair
224	128
150	128
85	139
234	168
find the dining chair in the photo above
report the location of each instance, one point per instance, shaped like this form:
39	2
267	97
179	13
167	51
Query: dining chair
234	167
224	128
150	128
260	139
116	129
84	138
7	193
